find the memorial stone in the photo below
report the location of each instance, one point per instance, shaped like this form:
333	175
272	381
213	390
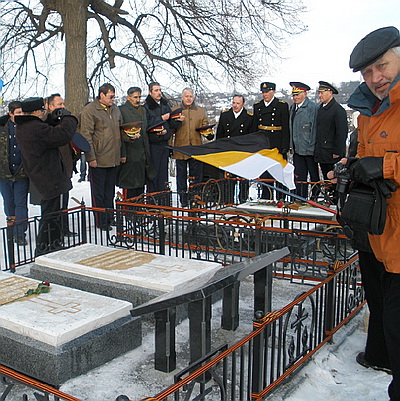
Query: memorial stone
63	333
120	273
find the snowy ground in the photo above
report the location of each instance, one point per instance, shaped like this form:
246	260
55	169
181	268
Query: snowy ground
332	374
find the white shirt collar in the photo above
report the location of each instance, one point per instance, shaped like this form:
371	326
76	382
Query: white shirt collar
267	104
237	114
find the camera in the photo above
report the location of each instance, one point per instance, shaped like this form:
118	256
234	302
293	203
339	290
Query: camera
342	173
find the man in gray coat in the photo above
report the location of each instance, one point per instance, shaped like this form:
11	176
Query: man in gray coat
302	124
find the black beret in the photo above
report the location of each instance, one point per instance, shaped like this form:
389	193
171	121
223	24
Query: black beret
267	86
32	104
324	86
298	87
373	46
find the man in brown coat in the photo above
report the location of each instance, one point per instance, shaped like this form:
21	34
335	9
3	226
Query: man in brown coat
99	123
187	134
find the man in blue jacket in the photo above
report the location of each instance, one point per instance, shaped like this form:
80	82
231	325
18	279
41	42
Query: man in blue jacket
302	123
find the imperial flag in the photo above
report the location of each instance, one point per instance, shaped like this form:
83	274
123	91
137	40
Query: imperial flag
246	156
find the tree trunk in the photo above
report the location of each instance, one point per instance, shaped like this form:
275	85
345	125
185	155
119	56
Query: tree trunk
74	17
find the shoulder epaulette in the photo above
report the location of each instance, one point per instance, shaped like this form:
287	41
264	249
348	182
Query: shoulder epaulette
282	101
249	113
225	110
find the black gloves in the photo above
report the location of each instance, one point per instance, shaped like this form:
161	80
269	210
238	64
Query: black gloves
385	187
60	113
367	169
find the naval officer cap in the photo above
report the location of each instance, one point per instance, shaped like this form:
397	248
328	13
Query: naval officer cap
267	86
326	86
373	46
298	87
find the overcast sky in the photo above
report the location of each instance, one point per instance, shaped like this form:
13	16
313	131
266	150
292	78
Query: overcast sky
334	28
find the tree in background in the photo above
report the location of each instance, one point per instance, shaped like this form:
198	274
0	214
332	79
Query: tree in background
194	41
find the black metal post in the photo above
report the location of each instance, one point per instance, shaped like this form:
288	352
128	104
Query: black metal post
230	307
83	222
263	289
161	230
257	381
199	328
257	241
165	354
330	307
10	243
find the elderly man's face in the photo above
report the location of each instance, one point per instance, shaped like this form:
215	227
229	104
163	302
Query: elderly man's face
187	98
381	74
268	96
299	98
237	104
325	96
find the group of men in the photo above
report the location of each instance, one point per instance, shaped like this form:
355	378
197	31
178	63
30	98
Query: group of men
129	146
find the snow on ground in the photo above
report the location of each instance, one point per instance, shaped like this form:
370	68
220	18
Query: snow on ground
331	374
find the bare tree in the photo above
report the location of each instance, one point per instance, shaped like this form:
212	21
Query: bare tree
191	40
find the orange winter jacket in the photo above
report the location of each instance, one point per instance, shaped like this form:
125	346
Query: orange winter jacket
379	136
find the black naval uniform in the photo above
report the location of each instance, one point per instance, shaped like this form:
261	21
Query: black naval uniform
274	121
228	126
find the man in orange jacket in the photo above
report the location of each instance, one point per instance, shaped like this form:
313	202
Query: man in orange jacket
377	57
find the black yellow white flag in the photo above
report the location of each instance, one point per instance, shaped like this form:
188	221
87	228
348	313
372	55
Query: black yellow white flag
247	156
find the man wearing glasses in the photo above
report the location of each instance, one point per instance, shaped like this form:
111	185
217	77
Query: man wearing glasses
99	123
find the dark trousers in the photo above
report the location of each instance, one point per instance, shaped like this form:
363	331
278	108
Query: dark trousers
64	206
195	168
82	167
304	166
102	185
15	200
382	291
325	168
49	237
159	156
134	192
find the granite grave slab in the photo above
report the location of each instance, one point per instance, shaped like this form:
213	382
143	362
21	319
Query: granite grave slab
120	273
61	334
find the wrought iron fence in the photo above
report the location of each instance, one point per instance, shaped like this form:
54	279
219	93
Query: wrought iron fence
280	343
212	235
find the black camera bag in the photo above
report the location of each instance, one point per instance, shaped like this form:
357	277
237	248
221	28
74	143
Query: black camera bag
365	209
